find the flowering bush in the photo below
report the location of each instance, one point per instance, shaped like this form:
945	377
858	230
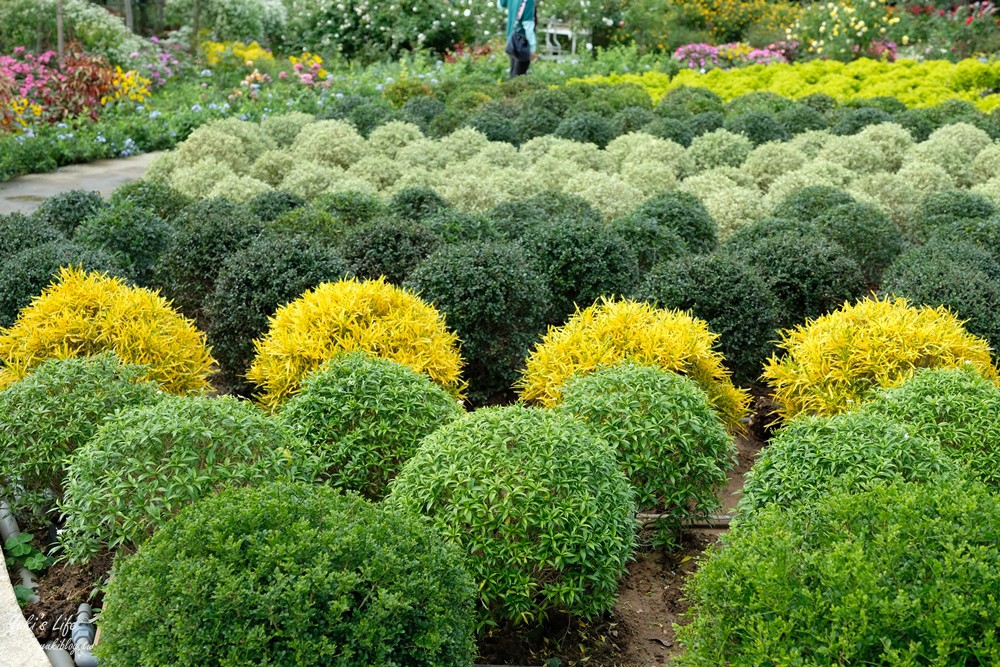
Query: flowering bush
735	54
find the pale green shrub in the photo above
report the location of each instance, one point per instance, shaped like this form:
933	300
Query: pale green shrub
198	179
853	153
238	188
232	142
462	144
926	176
810	142
310	179
609	194
891	193
649	178
334	143
717	149
272	166
892	142
767	162
734	208
285	128
379	171
987	164
386	140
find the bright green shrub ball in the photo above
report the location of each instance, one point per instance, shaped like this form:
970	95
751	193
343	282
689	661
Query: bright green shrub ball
365	417
810	456
389	248
20	232
158	197
497	303
685	214
958	408
135	237
146	464
290	575
901	575
511	487
734	299
45	417
811	202
66	210
671	444
586	127
867	235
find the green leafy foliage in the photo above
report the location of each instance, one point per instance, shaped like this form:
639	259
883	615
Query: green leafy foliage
268	206
587	127
135	237
651	241
416	203
512	219
759	127
155	196
868	236
684	214
900	575
144	466
496	302
944	208
45	417
364	417
20	232
512	488
66	210
352	208
389	248
290	574
811	202
671	444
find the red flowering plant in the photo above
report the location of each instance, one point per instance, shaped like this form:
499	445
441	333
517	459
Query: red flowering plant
947	30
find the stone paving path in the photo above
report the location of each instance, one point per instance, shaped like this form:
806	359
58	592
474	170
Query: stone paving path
25	193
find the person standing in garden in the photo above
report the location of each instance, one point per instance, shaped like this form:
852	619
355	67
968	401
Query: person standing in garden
521	40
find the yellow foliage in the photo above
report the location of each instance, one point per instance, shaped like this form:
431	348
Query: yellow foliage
371	316
83	314
613	331
833	362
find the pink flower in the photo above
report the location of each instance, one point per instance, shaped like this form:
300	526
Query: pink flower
282	75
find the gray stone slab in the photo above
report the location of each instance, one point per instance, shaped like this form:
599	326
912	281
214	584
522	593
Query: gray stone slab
26	193
18	647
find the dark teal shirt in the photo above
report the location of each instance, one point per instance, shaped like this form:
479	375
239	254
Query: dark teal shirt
527	18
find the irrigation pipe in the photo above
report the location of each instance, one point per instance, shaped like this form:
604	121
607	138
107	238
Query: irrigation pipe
713	521
9	529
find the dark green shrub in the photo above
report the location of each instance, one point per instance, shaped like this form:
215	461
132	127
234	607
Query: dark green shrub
951	111
416	203
760	101
688	101
147	463
940	209
388	248
903	574
365	417
651	241
446	122
556	100
959	408
683	213
810	276
27	273
268	206
536	123
759	127
867	235
673	129
19	232
883	103
953	274
495	127
631	119
703	123
251	285
587	127
352	208
422	110
495	301
135	237
45	417
512	219
509	486
671	444
769	228
820	102
811	456
983	233
854	120
917	123
66	210
581	261
158	197
735	301
366	117
454	226
309	222
191	262
811	202
618	96
290	574
799	118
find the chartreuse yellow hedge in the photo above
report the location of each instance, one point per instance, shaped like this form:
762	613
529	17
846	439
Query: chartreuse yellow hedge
83	314
612	331
370	316
916	84
831	364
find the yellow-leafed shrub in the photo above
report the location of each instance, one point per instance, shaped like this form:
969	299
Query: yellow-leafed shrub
612	331
371	316
832	363
84	314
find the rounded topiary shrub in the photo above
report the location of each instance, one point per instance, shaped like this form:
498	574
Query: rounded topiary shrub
290	574
309	222
586	127
494	300
351	208
811	202
768	228
581	262
20	232
513	218
673	129
155	196
367	315
810	276
56	409
759	127
735	301
957	407
533	123
509	487
855	120
940	209
416	203
956	275
688	100
903	574
811	456
495	127
867	234
135	237
83	314
365	417
24	275
388	248
614	331
146	464
631	119
652	242
670	443
454	226
830	364
251	285
269	206
685	214
66	210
